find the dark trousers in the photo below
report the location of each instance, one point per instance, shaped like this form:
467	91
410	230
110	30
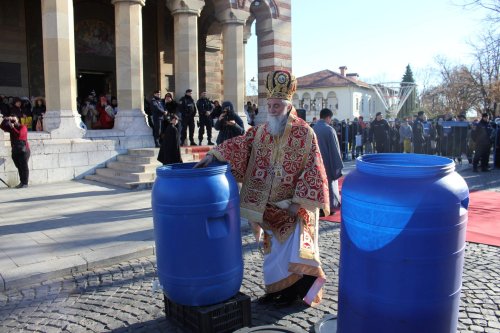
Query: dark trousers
300	288
205	122
418	147
20	159
482	155
382	146
187	122
157	130
356	150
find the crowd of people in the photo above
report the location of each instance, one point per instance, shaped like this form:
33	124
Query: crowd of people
28	111
98	112
449	136
211	114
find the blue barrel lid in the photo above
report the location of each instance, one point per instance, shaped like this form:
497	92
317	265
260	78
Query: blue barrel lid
405	165
187	169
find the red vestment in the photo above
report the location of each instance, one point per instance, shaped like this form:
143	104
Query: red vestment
275	172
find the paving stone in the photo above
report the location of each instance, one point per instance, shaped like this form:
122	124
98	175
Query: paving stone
119	298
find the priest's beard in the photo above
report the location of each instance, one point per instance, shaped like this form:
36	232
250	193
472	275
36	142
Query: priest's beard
277	124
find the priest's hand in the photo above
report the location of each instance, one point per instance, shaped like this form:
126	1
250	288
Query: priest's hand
204	162
293	209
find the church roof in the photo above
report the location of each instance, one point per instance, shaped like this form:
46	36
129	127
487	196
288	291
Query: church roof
327	78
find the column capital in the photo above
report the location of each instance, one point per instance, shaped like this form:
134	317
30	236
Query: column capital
232	16
192	7
247	33
140	2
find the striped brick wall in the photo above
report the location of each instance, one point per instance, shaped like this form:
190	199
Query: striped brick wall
274	45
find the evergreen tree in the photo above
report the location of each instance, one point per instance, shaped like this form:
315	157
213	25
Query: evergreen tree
410	105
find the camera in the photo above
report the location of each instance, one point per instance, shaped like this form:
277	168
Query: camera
225	115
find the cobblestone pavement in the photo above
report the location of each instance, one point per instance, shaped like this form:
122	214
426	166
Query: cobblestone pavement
119	298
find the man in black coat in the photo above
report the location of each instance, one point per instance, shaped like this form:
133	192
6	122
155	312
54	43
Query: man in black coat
380	130
481	135
355	131
157	113
418	134
187	108
205	108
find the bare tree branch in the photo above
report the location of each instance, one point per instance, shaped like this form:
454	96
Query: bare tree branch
493	6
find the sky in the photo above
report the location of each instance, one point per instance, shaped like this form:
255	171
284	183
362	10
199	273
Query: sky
377	39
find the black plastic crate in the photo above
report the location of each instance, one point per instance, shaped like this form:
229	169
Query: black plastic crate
218	318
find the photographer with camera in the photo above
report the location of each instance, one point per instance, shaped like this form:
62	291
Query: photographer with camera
20	147
229	124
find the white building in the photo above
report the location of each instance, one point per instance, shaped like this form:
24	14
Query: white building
343	93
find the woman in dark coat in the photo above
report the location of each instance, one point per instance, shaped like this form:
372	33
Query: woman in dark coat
170	151
38	113
229	124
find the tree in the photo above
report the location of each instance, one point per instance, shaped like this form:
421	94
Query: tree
457	93
485	72
432	101
493	6
410	104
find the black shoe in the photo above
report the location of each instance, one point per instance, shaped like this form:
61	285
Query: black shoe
285	300
210	143
321	213
21	185
199	144
267	298
193	144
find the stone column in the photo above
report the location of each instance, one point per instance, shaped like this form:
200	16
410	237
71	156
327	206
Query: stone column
186	15
234	58
129	74
62	119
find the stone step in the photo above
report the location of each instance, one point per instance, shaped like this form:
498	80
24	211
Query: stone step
133	167
120	182
137	159
144	152
137	169
126	176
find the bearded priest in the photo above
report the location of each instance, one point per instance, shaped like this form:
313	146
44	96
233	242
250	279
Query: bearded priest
284	185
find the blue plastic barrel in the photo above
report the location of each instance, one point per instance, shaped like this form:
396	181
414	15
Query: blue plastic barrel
196	219
402	242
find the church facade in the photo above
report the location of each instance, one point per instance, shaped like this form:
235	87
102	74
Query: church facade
65	49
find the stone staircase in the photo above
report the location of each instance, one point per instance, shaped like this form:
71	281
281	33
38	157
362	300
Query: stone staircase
137	169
